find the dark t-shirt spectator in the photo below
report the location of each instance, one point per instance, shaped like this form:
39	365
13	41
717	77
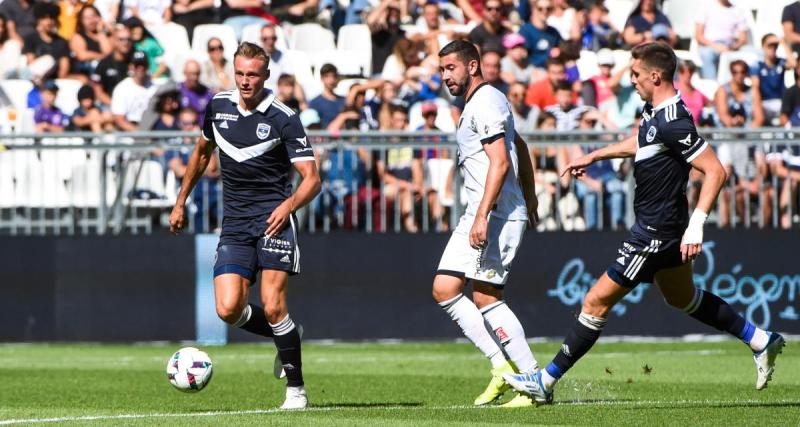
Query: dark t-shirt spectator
57	48
109	72
790	105
22	18
327	109
486	40
770	79
539	43
641	25
791	13
383	42
51	116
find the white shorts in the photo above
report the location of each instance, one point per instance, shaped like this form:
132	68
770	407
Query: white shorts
490	264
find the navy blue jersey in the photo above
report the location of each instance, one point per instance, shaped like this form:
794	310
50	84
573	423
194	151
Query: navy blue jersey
668	142
256	152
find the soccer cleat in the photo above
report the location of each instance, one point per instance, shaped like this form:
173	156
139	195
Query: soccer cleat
765	359
497	386
277	365
519	401
295	398
531	385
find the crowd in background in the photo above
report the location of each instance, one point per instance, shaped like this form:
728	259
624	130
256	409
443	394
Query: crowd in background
562	64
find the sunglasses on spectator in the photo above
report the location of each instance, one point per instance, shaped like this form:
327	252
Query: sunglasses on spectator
263	39
495	8
545	9
216	47
516	95
738	71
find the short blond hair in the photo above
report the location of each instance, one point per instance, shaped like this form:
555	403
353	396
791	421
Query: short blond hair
250	50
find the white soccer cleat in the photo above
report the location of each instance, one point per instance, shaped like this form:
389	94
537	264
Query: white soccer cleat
277	365
765	359
530	384
295	398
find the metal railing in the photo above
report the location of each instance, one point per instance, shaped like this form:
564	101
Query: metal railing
85	183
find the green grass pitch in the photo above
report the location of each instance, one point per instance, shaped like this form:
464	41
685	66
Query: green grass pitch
414	384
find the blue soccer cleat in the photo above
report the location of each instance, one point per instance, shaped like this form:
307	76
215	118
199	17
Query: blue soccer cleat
765	359
531	385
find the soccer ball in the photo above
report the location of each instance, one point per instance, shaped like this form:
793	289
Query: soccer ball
189	370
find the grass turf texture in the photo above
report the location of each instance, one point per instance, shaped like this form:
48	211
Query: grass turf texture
416	384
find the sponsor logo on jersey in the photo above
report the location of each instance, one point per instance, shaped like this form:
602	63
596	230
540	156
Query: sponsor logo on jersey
303	141
490	274
303	150
686	141
473	125
651	134
501	334
262	131
226	116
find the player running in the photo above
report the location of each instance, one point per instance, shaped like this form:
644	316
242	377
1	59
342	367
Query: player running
487	237
259	139
663	239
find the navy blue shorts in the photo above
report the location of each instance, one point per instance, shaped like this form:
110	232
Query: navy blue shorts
641	257
244	250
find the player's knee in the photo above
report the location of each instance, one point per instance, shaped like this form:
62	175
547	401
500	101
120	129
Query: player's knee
229	312
595	306
443	293
275	312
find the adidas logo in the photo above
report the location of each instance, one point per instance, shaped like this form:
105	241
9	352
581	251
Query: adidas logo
565	350
621	260
285	258
224	125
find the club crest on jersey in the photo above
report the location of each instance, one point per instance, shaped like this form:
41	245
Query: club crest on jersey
262	131
651	134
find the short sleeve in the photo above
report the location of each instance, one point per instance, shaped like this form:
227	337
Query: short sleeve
681	137
786	16
208	130
296	142
118	103
491	122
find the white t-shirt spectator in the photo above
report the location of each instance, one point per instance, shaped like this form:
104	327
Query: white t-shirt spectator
563	23
129	99
722	24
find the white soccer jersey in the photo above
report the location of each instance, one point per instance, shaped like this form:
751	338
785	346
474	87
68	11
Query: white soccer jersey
485	117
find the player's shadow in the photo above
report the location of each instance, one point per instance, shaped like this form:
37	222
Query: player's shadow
377	405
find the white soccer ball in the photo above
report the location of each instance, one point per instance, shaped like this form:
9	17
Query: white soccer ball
189	370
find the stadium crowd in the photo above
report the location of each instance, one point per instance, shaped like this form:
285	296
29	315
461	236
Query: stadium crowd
564	65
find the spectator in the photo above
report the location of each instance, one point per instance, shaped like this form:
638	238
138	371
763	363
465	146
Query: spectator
596	91
47	117
790	19
737	96
720	28
88	117
514	66
46	42
525	117
328	104
595	29
278	64
546	161
286	92
542	93
217	70
114	67
541	39
238	14
767	77
67	20
194	94
622	113
177	161
90	43
694	99
429	29
748	174
334	15
367	111
131	96
566	112
790	104
646	24
191	13
488	35
401	172
20	16
384	24
10	50
563	18
490	66
440	170
379	105
152	12
143	41
167	106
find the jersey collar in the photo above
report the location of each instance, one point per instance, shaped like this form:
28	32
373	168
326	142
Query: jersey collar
666	103
262	106
482	84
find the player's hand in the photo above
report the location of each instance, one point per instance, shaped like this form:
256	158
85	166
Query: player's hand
692	240
177	219
478	232
577	167
690	251
279	218
533	210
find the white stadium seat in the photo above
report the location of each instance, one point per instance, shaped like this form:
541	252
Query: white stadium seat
311	38
202	33
357	40
678	12
768	19
301	65
618	11
587	65
17	91
67	99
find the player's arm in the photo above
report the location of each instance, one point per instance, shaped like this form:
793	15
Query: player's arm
623	149
498	167
526	178
308	189
715	177
198	162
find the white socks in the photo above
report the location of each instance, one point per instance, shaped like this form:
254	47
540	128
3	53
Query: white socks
464	312
759	340
509	332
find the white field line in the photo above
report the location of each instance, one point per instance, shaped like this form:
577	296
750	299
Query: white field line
638	403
